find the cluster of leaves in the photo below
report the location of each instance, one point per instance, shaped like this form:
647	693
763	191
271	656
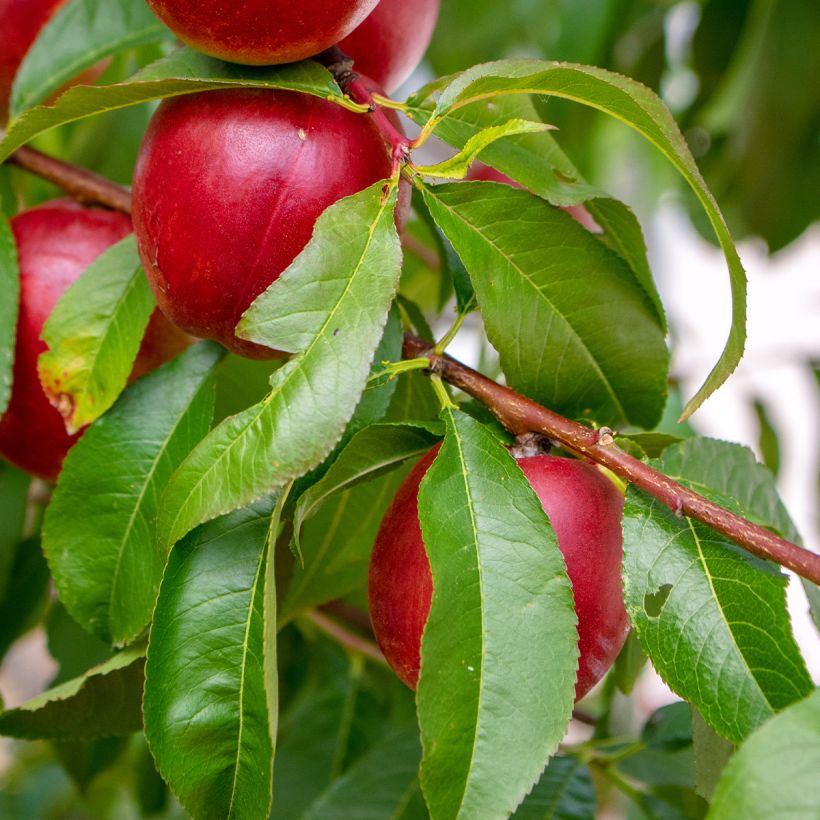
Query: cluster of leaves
245	495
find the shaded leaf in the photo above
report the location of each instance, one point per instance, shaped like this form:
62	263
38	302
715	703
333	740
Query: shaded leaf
81	33
711	754
207	717
377	786
94	334
14	488
105	562
26	598
103	703
330	306
371	452
499	652
774	774
574	329
564	792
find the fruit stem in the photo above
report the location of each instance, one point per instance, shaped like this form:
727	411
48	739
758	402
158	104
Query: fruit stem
82	185
522	415
341	67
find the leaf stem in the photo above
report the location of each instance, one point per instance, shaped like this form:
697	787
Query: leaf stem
350	640
448	337
522	415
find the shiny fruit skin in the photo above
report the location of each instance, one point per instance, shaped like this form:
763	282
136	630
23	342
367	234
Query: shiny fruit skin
261	32
390	43
227	189
585	511
20	23
56	242
579	213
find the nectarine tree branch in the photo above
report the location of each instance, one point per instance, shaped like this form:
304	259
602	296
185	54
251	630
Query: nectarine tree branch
521	415
80	184
517	413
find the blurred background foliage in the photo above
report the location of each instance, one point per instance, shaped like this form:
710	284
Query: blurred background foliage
743	80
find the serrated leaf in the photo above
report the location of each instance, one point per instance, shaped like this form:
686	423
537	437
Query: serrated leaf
499	652
207	715
331	306
104	702
641	109
575	331
80	34
534	160
457	167
9	305
537	163
706	464
371	452
105	562
774	774
698	602
183	72
336	544
564	792
94	334
377	786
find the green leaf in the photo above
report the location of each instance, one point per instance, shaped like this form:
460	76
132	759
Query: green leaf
336	544
564	792
371	452
457	167
207	716
575	331
499	652
94	334
9	305
534	160
813	596
74	649
105	562
330	306
706	464
711	753
102	703
14	488
78	36
378	786
26	598
774	774
183	72
629	664
698	602
641	109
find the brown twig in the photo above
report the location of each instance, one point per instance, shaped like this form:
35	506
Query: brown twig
84	186
345	637
522	415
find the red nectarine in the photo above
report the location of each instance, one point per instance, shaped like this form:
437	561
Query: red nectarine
584	509
227	189
390	43
261	32
56	242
